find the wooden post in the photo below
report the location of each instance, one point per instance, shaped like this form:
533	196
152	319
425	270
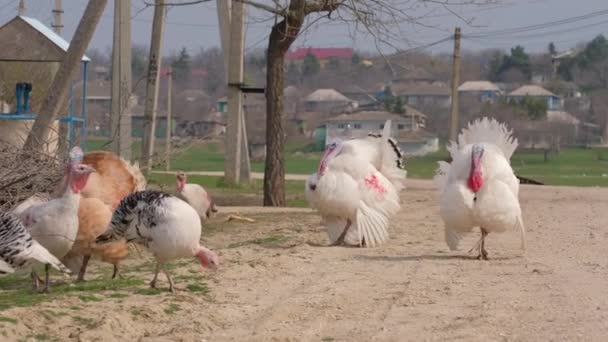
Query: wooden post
57	12
168	139
60	87
224	8
120	112
234	134
455	84
151	106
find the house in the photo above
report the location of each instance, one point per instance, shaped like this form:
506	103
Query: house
484	91
420	95
323	55
137	126
407	129
252	103
101	72
554	102
327	100
32	52
191	104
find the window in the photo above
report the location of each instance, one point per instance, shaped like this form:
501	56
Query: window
357	126
400	126
382	126
341	126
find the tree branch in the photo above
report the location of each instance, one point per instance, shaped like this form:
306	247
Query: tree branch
277	11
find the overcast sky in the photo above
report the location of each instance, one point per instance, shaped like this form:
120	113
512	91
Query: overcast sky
196	25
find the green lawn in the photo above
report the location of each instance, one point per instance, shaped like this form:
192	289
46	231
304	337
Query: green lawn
573	166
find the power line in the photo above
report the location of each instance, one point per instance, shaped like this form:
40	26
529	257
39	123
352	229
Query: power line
542	34
536	26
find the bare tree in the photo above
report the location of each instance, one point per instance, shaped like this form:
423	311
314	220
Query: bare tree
59	89
381	19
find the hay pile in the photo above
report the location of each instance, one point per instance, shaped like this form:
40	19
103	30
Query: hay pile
23	176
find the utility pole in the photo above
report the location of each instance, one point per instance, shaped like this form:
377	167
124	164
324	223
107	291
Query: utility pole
59	89
21	7
455	84
120	111
64	132
57	12
234	53
151	106
168	139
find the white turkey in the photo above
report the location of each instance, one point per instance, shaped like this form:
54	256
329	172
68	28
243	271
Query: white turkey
196	196
18	249
479	188
54	224
356	188
167	226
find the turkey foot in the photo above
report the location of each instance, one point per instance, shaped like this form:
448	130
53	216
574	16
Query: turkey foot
340	239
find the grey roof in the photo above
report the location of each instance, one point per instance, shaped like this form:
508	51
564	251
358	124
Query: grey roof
322	95
50	35
531	90
478	86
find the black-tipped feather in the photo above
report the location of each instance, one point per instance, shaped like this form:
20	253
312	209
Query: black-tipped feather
141	207
395	147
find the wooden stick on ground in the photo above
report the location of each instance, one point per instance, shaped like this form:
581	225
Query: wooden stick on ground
239	218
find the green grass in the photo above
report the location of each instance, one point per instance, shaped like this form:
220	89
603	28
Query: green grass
8	320
17	292
150	291
88	323
271	241
171	309
198	288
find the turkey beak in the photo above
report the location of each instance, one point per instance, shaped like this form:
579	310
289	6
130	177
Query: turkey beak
89	168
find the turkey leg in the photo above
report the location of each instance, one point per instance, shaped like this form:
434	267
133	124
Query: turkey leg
116	273
83	268
47	283
157	269
171	288
35	281
483	254
340	239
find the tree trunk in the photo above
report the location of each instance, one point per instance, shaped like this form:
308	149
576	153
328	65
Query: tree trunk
281	38
58	91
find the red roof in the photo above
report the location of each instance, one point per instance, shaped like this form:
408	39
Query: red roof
321	53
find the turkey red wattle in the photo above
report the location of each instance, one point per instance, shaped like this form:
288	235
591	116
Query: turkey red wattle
78	177
475	180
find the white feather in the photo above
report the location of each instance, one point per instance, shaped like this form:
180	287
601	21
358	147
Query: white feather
495	207
353	189
6	268
197	197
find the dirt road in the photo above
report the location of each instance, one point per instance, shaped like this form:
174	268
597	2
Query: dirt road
277	284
